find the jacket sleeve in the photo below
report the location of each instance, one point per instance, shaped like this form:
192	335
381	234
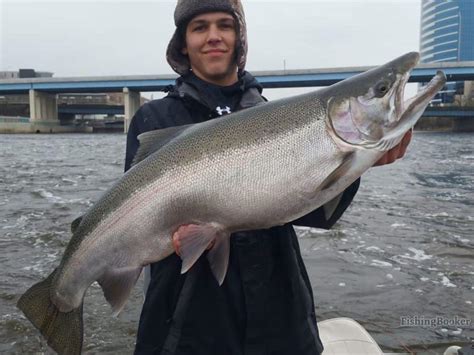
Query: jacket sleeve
317	218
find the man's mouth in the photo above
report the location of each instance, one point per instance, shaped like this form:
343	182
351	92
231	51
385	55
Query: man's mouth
215	51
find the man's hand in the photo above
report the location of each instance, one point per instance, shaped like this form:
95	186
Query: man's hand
396	152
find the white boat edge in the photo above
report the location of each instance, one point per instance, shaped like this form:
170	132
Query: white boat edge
344	336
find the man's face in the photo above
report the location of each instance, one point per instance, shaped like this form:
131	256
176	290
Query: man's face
210	46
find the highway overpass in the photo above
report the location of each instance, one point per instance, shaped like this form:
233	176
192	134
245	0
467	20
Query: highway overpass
42	91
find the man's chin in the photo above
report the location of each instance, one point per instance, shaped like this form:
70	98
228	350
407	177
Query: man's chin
221	76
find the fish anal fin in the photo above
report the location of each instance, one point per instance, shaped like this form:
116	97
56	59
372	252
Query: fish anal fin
331	206
218	257
153	141
193	240
117	284
63	331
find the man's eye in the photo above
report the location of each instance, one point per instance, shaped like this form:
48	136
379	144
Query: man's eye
227	26
198	28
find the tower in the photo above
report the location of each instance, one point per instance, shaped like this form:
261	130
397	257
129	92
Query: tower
447	35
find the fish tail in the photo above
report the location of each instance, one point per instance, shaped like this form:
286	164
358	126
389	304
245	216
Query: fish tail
63	331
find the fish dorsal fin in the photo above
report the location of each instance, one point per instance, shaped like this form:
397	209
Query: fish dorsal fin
152	141
75	224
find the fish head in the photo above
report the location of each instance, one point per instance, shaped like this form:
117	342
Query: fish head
368	111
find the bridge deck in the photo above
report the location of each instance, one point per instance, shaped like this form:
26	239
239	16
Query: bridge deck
458	71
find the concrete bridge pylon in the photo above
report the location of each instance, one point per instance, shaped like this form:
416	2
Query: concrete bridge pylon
43	107
131	100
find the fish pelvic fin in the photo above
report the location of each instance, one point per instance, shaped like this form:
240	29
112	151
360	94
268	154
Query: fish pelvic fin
331	206
194	239
62	331
218	257
117	284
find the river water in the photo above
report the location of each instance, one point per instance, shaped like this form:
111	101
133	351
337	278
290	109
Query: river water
405	247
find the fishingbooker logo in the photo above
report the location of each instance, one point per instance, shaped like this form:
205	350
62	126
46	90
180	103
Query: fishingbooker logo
435	322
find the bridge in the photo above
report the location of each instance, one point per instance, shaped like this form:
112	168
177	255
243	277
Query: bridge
42	91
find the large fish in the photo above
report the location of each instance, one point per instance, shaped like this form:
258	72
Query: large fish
254	169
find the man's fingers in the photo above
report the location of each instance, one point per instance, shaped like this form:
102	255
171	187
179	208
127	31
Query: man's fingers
392	155
404	144
396	152
388	157
407	138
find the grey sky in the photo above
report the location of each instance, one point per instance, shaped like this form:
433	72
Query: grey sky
73	38
104	37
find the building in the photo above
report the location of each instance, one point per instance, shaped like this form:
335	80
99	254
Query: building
447	35
24	73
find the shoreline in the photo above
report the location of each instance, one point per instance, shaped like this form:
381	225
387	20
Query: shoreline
24	125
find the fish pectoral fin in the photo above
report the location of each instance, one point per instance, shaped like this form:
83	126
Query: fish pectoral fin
152	141
62	330
340	171
75	224
117	284
218	257
193	240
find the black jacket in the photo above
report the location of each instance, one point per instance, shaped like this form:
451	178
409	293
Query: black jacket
265	305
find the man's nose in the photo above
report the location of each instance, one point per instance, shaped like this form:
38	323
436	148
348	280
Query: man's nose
214	34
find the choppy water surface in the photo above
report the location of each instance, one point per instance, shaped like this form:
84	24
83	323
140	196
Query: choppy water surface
404	248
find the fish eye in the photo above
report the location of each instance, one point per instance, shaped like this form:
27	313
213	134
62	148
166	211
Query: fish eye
382	88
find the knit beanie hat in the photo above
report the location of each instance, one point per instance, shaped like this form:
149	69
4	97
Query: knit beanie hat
185	11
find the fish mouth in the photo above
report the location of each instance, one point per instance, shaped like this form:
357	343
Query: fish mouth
399	96
368	120
414	105
405	65
410	111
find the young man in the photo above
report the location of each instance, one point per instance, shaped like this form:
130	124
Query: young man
265	305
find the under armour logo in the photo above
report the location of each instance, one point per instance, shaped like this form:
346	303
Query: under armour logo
221	111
